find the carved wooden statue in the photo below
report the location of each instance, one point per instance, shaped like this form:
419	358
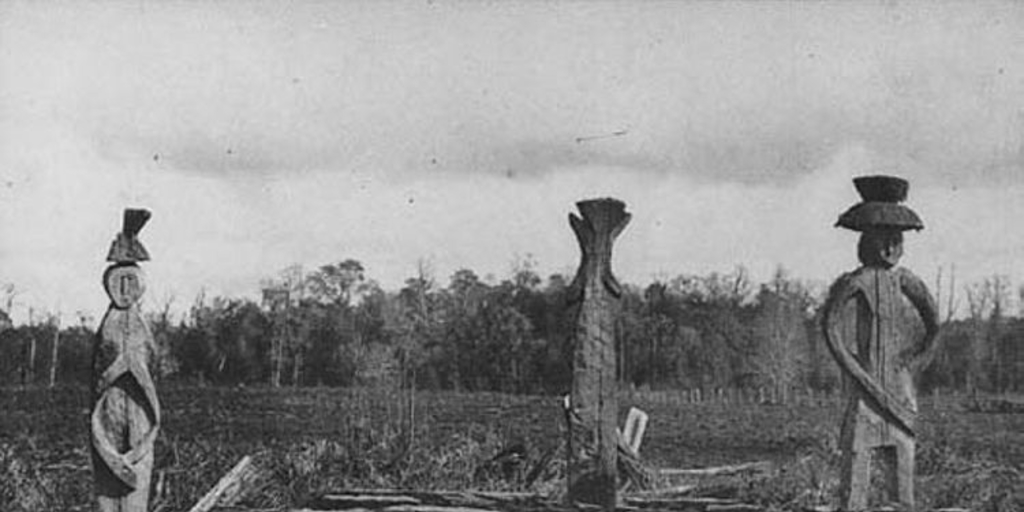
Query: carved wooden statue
593	437
126	414
866	328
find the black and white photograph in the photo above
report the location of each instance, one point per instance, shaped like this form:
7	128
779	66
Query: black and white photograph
511	256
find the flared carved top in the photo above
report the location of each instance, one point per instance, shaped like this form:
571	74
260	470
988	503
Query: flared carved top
601	223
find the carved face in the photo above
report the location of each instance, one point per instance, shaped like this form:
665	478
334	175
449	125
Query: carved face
880	247
124	285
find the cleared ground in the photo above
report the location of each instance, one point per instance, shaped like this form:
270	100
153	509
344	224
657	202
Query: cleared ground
314	440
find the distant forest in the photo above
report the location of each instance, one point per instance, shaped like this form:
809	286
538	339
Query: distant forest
335	326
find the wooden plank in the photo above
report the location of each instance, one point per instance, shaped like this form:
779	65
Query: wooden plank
507	495
374	501
636	426
318	509
739	507
668	492
433	508
749	467
681	501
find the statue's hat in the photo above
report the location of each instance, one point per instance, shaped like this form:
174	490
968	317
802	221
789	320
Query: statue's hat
127	248
880	207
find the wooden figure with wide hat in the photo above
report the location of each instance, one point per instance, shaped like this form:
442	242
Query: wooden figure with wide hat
868	324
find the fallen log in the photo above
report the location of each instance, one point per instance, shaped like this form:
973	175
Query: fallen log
393	499
738	507
679	503
351	501
749	467
664	492
433	508
476	501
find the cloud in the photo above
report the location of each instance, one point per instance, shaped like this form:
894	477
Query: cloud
268	134
734	92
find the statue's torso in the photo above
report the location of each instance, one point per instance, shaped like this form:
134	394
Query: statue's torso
881	329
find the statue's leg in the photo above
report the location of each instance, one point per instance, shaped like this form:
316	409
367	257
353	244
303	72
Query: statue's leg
856	480
861	437
905	447
855	473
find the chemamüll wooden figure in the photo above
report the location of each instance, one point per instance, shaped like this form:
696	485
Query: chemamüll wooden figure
592	410
866	327
126	414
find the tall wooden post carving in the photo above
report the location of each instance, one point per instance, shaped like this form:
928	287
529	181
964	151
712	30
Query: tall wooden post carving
126	414
593	438
866	329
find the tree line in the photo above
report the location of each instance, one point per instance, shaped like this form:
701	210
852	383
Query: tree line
335	326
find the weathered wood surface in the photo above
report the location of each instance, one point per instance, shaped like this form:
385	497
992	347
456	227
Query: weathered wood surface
125	416
867	327
593	442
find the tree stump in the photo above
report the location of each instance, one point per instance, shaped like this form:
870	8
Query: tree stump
593	436
125	416
865	327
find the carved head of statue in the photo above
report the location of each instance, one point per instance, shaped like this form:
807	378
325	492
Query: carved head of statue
124	284
880	247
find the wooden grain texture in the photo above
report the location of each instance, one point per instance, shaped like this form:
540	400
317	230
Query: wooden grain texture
593	445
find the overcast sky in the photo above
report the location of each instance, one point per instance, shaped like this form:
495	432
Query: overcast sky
263	134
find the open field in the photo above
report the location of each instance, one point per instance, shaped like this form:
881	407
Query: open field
316	439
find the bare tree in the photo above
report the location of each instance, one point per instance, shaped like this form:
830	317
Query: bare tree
161	325
977	307
945	317
275	301
780	332
986	302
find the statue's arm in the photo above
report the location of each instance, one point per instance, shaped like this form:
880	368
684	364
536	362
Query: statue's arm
844	290
915	290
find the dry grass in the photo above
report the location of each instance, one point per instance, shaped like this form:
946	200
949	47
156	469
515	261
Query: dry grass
314	440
